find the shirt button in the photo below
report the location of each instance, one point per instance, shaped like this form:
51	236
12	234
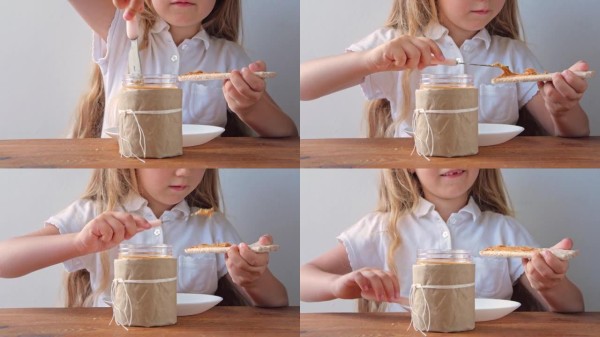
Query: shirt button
157	232
445	235
184	47
174	58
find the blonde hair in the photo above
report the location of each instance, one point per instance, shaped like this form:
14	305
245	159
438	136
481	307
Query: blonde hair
109	188
224	22
400	192
411	17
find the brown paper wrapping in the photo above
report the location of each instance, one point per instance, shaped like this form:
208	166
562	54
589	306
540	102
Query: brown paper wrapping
152	304
450	310
162	135
450	134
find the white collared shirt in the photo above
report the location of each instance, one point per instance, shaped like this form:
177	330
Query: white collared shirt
198	273
498	103
367	243
203	102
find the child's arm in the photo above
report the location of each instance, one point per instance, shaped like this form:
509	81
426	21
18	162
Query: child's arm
330	74
330	276
557	106
545	277
246	96
23	255
250	273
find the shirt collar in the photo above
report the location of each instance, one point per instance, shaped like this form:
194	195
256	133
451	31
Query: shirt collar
161	26
135	203
436	32
425	208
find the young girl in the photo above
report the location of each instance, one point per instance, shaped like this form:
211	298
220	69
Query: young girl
116	209
418	34
178	37
435	209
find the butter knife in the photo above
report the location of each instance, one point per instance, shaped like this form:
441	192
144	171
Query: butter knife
135	67
455	62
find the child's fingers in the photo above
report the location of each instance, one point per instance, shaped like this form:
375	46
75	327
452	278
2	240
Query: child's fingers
258	66
251	257
540	265
264	240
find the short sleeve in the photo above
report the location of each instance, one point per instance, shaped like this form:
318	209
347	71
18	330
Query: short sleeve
382	84
365	242
115	45
72	220
526	90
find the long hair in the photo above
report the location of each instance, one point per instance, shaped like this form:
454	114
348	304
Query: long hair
399	194
109	188
411	17
223	22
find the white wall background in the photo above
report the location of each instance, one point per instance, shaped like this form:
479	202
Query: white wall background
550	203
45	63
329	27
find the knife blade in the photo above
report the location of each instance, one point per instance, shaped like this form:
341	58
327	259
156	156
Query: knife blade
455	62
135	67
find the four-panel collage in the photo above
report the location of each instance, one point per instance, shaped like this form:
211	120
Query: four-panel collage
299	168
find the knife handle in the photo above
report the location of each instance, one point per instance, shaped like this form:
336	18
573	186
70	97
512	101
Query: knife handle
446	62
132	28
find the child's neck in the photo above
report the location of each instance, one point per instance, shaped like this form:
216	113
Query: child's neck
458	34
445	207
181	34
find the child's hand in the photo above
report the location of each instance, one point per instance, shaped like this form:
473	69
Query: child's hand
108	230
132	7
244	265
405	52
244	89
368	283
545	271
565	90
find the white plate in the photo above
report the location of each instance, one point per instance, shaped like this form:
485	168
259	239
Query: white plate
494	134
192	304
189	304
192	134
487	309
491	134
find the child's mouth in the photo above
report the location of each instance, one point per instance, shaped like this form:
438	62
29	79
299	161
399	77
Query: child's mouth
453	173
182	3
178	188
482	11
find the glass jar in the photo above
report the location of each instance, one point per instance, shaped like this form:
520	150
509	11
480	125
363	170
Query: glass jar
131	251
150	117
432	81
442	256
443	291
144	289
150	81
445	121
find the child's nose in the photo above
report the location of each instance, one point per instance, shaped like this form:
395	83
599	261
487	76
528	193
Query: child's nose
182	172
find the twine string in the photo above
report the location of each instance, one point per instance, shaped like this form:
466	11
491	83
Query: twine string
424	319
127	310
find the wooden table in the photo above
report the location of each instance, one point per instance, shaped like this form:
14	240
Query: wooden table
519	152
236	152
84	322
516	324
